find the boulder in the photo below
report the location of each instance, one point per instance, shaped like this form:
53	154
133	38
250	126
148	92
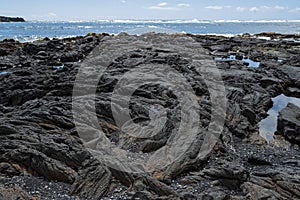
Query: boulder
289	123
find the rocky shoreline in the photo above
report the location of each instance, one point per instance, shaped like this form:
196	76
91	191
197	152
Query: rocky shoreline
43	157
11	19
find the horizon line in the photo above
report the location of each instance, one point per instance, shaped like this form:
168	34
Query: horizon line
165	20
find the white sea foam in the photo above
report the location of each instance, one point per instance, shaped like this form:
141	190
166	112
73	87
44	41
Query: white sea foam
143	30
85	27
153	27
126	21
199	21
219	34
33	38
159	21
256	21
264	38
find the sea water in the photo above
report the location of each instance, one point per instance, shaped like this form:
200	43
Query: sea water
33	30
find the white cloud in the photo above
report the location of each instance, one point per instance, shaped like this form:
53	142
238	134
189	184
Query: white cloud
254	9
240	9
214	7
295	10
279	8
162	8
265	7
162	4
218	7
51	14
183	5
165	6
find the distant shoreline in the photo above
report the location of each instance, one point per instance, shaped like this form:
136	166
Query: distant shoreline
169	21
11	19
262	36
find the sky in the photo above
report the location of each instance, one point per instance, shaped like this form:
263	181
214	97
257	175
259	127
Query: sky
61	10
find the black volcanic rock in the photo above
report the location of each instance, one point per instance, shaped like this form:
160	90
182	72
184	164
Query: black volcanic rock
289	123
11	19
40	144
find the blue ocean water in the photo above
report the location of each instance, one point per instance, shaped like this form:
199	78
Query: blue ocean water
29	31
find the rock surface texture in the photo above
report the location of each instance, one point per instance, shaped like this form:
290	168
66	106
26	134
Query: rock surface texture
289	123
43	152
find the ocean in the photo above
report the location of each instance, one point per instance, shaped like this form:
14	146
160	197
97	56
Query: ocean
33	30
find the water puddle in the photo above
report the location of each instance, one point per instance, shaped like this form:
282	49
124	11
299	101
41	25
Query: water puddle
245	59
59	67
268	126
4	73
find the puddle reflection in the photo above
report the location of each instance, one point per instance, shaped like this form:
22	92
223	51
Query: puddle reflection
268	126
245	59
4	73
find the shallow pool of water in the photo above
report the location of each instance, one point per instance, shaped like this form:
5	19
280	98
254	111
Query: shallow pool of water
59	67
268	126
4	73
245	59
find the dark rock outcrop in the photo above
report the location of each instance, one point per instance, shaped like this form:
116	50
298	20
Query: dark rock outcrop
11	19
40	139
289	123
